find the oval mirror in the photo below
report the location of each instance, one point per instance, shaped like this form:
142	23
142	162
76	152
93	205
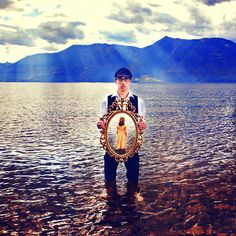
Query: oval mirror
121	137
122	134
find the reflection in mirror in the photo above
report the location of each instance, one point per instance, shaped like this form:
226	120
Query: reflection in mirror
121	133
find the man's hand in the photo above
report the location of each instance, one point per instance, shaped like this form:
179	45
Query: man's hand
142	125
101	124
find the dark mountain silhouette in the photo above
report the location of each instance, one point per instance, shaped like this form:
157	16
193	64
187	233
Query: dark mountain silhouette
167	60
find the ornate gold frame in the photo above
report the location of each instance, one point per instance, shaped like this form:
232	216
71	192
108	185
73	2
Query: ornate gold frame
118	107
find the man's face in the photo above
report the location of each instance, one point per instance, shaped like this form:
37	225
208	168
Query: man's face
123	84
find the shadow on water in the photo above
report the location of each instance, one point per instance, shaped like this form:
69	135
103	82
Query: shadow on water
121	209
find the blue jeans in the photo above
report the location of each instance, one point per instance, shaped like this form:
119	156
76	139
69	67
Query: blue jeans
132	168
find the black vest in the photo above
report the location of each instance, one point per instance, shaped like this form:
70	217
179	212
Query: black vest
133	100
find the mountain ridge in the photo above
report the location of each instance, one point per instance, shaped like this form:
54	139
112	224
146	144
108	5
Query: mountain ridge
166	60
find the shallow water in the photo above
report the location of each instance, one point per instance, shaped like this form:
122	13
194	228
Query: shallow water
52	163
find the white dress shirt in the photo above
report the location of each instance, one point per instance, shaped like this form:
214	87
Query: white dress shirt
141	106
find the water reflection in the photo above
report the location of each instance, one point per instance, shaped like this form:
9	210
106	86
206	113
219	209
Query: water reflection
52	163
121	209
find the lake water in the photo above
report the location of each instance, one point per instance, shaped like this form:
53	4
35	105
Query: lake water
51	168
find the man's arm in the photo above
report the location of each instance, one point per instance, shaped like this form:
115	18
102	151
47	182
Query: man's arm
141	107
100	122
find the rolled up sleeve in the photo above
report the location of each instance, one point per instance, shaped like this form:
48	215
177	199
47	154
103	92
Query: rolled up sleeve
141	107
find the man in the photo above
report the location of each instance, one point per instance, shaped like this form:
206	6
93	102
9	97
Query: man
123	80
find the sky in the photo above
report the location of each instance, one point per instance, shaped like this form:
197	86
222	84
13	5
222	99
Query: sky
29	27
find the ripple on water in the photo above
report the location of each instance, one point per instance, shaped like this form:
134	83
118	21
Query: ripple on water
52	163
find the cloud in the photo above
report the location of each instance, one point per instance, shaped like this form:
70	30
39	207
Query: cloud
58	31
167	21
5	18
180	17
143	30
15	35
228	29
120	16
4	4
190	28
196	30
154	4
50	48
59	15
178	1
137	8
199	23
124	36
138	15
199	17
132	13
164	18
9	5
56	25
35	12
213	2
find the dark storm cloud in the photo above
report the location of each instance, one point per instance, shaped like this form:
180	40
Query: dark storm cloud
132	13
15	35
213	2
124	36
58	31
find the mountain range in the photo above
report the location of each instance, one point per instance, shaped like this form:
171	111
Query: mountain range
167	60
